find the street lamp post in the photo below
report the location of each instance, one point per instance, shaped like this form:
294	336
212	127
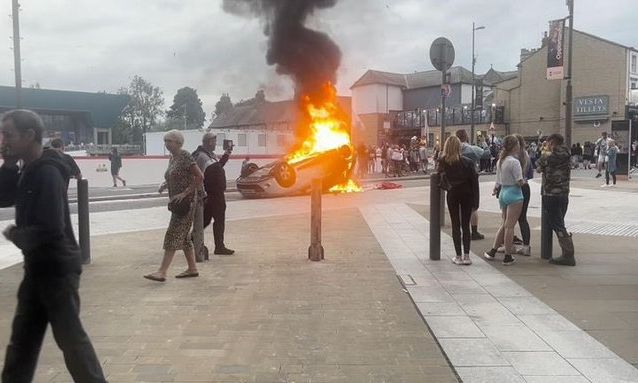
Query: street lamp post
568	91
474	29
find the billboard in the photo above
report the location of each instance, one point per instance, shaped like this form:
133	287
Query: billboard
555	50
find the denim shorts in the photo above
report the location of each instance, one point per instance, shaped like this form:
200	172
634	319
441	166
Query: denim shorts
509	195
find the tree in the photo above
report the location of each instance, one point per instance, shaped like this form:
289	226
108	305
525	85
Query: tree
224	105
187	109
143	110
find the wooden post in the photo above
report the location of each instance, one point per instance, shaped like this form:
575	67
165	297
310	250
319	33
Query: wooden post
315	251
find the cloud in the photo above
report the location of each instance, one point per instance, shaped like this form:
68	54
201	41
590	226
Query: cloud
94	45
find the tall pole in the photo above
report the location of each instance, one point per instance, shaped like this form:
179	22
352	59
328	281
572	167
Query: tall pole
16	52
473	84
569	92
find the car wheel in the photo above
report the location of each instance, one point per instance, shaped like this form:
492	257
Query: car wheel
284	175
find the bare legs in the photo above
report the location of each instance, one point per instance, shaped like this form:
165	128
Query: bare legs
117	177
505	234
168	259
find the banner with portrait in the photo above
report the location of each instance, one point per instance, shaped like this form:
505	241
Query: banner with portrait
555	50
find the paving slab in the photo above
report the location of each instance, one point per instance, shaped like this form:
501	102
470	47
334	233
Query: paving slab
266	314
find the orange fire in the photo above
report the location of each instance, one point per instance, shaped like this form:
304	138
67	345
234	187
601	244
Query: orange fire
329	129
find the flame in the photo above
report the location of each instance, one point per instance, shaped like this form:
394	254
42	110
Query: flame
348	187
328	129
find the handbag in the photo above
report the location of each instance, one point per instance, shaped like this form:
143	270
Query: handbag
181	208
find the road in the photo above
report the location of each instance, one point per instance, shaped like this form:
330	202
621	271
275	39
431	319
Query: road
142	197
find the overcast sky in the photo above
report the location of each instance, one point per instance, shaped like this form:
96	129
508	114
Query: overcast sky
94	45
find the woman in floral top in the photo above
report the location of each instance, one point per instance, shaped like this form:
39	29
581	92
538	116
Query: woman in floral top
183	178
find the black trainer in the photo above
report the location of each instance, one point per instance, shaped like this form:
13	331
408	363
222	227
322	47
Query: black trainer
490	255
508	260
224	251
476	236
517	241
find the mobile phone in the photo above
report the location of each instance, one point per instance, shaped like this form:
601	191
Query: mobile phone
228	144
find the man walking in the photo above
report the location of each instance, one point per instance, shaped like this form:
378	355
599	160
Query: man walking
556	170
203	157
601	152
52	261
474	153
215	185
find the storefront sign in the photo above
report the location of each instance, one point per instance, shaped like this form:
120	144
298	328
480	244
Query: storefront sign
555	50
591	106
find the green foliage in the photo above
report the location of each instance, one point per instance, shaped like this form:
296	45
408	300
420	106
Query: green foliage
186	111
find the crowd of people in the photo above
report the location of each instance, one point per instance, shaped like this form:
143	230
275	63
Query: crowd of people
458	167
393	160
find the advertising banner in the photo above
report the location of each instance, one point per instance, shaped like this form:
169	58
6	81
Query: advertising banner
555	50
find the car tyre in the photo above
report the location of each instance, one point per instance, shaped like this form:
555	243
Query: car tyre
285	175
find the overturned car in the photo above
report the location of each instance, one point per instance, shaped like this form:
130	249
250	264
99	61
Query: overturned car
284	178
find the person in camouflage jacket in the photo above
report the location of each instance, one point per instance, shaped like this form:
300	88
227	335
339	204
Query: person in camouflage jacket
555	167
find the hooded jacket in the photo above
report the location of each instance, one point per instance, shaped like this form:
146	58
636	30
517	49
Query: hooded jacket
556	169
43	224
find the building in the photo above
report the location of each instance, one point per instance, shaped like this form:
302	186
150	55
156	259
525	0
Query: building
604	79
76	117
392	107
256	128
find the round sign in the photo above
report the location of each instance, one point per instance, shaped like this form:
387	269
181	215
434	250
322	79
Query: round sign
442	54
596	124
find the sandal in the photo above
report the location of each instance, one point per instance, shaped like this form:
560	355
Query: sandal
155	278
187	274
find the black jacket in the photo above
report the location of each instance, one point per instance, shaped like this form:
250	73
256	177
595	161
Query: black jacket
463	178
43	224
215	176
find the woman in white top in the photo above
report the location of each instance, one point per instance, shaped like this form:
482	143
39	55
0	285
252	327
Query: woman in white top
509	180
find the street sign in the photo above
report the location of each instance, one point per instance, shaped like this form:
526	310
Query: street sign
442	54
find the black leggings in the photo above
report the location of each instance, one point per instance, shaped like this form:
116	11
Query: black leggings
459	203
613	174
522	220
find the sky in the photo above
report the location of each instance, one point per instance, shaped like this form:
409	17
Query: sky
96	45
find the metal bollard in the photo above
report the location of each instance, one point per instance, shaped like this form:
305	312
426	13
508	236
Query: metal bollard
547	236
315	251
83	220
435	218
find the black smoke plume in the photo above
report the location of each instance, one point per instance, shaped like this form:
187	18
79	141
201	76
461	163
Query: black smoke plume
311	58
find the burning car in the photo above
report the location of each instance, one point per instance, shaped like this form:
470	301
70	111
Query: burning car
285	177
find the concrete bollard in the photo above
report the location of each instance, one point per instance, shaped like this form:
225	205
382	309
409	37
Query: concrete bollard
83	220
315	251
435	217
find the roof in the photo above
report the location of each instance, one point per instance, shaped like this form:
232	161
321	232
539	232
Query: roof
264	113
458	75
103	108
584	34
494	77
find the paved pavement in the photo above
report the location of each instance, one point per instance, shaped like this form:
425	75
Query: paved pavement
264	315
253	317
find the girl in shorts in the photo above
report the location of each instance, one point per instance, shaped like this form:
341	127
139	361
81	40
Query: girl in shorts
509	180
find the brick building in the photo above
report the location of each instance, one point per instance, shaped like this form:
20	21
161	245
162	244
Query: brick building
392	107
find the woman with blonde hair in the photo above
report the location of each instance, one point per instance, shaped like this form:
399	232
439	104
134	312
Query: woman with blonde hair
462	195
509	180
182	179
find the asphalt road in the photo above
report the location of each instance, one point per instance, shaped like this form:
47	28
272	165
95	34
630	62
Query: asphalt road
157	200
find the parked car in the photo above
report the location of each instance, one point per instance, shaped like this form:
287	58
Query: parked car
281	178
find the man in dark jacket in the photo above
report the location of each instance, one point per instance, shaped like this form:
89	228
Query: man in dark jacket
215	186
52	261
556	169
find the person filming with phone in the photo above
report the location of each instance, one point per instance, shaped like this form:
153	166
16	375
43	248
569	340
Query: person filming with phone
215	208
